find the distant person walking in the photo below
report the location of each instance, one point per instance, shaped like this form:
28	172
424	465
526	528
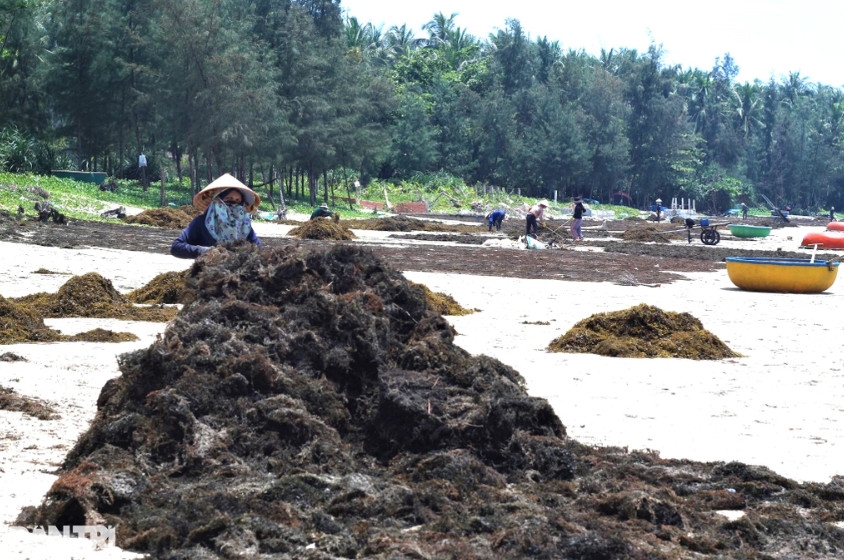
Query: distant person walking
832	213
142	167
577	219
743	211
535	213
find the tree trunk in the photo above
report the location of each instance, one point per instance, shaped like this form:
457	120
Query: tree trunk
312	186
162	199
349	189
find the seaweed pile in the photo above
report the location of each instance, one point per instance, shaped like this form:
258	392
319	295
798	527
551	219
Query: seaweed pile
646	233
323	229
165	288
91	295
643	331
309	404
406	223
20	323
442	303
169	217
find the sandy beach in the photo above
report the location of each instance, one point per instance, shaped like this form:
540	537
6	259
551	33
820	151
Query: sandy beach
780	405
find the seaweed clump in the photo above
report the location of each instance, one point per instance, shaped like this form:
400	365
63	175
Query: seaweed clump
21	324
11	401
165	288
406	223
323	229
102	335
169	217
645	234
91	295
643	331
442	303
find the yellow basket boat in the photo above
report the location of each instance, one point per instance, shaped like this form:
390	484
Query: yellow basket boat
783	275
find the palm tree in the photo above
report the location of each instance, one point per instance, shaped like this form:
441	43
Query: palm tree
747	108
400	41
696	88
439	29
363	39
460	47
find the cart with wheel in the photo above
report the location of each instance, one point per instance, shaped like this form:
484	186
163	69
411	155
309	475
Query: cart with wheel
709	234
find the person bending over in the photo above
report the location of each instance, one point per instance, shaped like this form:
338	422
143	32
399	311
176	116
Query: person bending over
535	213
321	211
495	218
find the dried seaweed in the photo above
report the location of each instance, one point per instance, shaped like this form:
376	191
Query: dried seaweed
91	295
310	404
168	217
165	288
323	229
642	331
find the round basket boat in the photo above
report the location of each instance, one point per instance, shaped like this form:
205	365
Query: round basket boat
782	275
743	230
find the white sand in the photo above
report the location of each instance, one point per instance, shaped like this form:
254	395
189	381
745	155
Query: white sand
780	405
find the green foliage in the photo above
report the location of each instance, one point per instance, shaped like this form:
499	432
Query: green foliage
227	86
78	199
20	153
85	201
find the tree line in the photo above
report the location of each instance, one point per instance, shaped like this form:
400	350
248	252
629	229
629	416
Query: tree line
292	92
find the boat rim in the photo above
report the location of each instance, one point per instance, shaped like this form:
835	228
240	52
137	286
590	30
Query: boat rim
784	261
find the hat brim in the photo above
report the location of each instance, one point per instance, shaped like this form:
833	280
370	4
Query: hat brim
203	198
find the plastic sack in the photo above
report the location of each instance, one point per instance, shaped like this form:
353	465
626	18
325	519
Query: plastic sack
532	243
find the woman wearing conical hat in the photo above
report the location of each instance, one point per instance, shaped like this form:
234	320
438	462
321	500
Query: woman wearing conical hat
226	204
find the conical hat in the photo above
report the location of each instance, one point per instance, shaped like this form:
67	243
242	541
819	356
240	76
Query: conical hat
202	199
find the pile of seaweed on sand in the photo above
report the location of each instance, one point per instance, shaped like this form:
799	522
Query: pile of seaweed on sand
91	295
406	223
308	404
20	323
323	228
646	233
643	331
165	288
167	216
441	303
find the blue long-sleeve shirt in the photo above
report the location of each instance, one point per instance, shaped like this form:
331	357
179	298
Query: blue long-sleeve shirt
196	239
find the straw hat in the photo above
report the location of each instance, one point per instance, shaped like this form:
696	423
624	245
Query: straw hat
202	199
578	199
323	205
542	203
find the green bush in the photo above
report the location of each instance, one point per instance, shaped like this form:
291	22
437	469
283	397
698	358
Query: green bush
22	154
